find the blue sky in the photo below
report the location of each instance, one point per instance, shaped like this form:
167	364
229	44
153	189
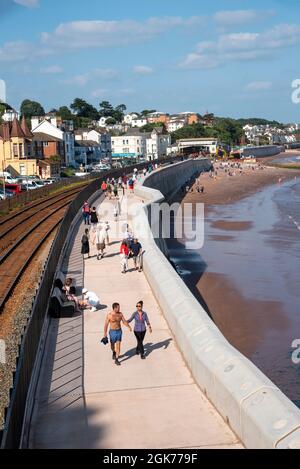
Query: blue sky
234	58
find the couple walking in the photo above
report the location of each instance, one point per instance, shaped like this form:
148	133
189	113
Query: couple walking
113	322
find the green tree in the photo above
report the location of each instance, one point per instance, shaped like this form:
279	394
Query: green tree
189	131
118	112
106	109
228	130
65	113
83	109
145	112
150	127
31	108
111	121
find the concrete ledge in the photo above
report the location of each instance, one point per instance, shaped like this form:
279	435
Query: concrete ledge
259	413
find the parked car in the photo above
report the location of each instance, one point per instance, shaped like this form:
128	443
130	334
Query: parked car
47	182
8	177
8	194
14	188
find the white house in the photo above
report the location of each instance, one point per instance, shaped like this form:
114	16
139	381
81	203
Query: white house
103	139
139	122
10	115
102	121
175	124
56	127
128	118
157	143
127	146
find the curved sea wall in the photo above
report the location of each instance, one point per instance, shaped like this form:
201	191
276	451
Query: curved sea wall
259	413
263	151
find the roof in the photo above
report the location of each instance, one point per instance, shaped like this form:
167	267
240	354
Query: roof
160	130
87	143
42	137
135	132
16	130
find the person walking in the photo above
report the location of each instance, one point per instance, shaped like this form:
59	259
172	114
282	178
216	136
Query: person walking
141	320
94	217
107	229
131	185
85	244
124	253
137	253
100	241
115	190
104	187
86	213
109	190
116	213
113	322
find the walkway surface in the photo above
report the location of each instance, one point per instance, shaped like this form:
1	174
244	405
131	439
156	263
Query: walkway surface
85	401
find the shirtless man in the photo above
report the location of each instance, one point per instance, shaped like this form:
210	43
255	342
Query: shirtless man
113	320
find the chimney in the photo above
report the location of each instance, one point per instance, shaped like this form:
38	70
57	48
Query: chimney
25	129
6	131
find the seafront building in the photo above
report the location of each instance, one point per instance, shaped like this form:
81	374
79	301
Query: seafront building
137	144
23	153
99	144
56	127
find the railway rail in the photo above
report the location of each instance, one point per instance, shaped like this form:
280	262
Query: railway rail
24	232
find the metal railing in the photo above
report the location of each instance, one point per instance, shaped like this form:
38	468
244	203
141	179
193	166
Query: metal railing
19	200
11	434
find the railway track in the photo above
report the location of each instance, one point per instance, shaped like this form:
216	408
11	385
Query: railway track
23	233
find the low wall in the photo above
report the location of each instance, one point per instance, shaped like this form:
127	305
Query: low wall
259	413
263	151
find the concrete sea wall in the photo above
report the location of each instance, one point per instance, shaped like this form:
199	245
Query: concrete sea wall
259	413
263	151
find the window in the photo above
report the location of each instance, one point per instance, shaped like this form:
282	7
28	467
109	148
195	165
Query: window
46	144
21	153
15	150
22	170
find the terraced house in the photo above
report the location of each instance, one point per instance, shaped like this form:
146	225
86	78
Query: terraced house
23	153
17	153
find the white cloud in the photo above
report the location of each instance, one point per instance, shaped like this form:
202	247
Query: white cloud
227	19
98	93
259	86
242	46
15	51
142	70
98	33
201	61
84	78
28	3
52	70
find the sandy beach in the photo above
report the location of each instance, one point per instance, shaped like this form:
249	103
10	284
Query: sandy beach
218	274
224	189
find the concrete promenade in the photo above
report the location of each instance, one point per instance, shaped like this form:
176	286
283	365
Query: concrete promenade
84	400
